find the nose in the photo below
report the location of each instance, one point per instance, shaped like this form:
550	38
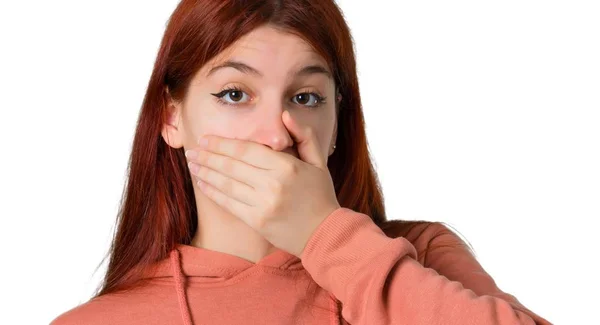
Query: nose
270	131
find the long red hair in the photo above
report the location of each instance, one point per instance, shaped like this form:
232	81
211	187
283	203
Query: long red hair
158	209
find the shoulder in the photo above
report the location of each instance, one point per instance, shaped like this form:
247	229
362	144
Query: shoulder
416	231
116	308
88	313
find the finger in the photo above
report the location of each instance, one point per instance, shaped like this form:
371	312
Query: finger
231	167
306	138
227	186
252	153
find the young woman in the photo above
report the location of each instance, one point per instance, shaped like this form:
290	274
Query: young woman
251	196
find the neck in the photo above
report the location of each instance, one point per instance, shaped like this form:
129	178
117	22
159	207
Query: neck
219	230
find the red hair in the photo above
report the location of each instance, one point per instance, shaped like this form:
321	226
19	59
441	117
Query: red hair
158	208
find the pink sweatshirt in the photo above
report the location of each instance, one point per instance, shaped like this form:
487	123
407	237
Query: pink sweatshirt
377	277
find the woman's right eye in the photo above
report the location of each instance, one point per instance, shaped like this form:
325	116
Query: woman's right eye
231	96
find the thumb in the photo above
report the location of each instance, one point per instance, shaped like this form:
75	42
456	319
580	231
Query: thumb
306	138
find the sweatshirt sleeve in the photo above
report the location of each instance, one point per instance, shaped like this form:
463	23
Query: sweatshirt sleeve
379	280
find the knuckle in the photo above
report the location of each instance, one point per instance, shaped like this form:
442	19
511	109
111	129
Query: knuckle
203	172
227	186
209	160
260	223
290	169
201	158
228	165
275	187
272	207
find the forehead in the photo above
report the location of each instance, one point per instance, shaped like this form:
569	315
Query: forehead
268	49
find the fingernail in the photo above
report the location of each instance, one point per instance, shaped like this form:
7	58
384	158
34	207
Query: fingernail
191	154
193	168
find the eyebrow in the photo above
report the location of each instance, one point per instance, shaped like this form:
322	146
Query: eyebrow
244	68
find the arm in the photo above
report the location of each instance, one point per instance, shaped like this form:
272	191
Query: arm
379	280
452	258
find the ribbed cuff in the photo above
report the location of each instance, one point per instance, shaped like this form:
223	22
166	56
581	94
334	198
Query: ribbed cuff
345	242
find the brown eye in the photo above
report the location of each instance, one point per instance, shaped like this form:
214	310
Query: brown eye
236	95
308	99
232	96
303	98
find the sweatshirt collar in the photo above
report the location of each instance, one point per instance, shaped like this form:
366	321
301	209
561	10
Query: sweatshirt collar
201	262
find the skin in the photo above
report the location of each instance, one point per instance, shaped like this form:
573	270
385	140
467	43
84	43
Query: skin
257	115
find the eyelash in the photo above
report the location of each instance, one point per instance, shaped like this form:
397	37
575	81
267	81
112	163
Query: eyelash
221	94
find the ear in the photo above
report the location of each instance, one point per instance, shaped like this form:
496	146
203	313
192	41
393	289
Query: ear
172	131
334	136
333	139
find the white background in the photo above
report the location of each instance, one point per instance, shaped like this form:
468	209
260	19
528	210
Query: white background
482	115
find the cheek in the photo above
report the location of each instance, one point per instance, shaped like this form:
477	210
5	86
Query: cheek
224	124
203	116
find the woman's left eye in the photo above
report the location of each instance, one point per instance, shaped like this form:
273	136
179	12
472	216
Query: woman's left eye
306	99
